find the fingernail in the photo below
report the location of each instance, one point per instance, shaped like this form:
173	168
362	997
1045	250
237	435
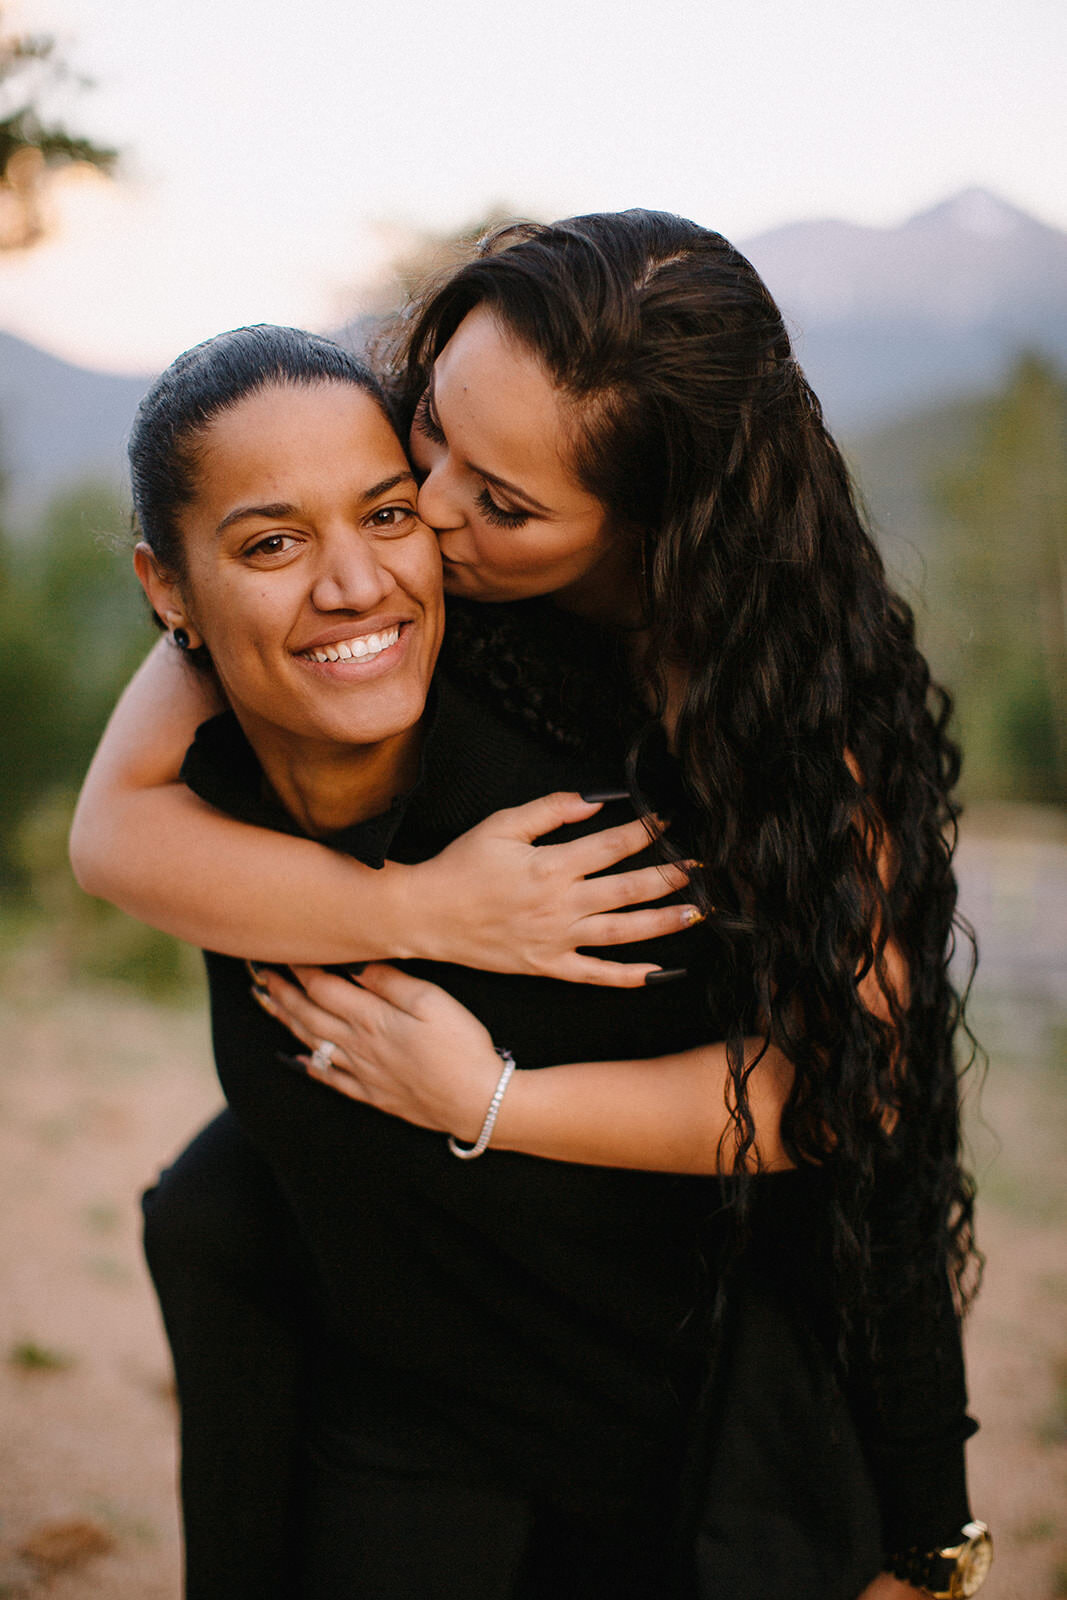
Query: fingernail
666	975
691	915
257	971
594	797
694	866
353	969
262	997
294	1062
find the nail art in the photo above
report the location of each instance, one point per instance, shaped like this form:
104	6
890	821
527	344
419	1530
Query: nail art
691	915
262	997
594	797
666	975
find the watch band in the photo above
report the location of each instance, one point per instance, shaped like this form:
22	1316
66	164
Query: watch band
952	1573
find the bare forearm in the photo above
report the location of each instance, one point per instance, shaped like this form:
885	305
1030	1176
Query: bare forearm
165	857
666	1115
144	841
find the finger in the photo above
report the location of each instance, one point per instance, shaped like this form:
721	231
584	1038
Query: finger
345	997
605	974
594	852
301	1014
632	927
618	889
544	815
334	1078
297	1029
400	989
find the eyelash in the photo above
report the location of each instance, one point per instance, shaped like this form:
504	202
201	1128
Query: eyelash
260	546
431	429
497	515
426	422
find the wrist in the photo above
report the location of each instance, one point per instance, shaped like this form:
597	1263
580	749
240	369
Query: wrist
468	1150
953	1571
408	914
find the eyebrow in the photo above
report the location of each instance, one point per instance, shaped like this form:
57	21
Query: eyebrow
281	509
490	477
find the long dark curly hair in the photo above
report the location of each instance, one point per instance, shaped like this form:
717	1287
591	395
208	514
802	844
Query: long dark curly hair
813	743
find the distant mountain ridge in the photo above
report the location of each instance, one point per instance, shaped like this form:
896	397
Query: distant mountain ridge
892	320
59	425
887	321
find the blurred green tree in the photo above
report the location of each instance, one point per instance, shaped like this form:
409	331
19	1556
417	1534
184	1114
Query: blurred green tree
73	625
33	150
1003	590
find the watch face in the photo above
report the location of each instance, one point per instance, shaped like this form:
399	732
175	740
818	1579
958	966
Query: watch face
975	1564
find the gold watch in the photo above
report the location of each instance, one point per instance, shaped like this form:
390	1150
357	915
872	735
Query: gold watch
954	1572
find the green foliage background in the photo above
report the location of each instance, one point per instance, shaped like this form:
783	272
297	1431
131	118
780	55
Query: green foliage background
73	626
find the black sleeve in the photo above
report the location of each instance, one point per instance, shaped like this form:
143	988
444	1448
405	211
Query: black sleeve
908	1391
905	1388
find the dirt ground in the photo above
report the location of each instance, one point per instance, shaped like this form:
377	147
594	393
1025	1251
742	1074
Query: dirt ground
97	1090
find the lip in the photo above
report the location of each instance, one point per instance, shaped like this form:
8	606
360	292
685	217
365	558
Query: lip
353	630
362	670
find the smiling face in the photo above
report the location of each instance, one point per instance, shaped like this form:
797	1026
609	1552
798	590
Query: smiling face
308	574
491	438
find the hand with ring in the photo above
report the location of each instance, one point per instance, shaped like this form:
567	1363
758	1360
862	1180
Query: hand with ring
323	1054
391	1040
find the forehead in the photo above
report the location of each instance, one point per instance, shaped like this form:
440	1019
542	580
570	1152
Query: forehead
324	439
498	403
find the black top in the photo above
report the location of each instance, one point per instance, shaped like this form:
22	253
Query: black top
540	1322
545	1315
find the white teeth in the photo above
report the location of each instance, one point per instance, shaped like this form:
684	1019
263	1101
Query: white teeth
361	649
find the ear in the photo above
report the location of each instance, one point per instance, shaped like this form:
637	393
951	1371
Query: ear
164	594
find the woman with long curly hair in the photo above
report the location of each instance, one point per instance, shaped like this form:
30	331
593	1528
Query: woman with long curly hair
655	547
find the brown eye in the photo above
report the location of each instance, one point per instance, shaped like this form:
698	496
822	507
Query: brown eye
275	544
391	519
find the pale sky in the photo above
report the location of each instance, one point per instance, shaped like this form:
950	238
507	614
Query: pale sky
272	147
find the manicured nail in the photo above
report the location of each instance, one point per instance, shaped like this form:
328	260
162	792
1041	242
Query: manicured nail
257	971
691	915
353	969
596	797
262	997
694	866
666	975
293	1062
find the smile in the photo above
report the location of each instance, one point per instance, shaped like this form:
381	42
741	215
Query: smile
365	648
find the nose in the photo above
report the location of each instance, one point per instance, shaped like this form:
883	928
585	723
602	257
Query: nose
439	504
351	575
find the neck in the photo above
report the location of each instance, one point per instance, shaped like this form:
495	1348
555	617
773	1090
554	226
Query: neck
607	594
326	787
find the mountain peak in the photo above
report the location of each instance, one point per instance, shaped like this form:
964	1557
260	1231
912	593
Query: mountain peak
975	211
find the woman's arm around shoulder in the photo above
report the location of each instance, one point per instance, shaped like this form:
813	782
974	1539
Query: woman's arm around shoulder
492	899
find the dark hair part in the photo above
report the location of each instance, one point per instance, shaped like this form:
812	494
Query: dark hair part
813	743
208	380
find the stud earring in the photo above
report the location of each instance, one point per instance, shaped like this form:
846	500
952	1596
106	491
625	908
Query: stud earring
180	638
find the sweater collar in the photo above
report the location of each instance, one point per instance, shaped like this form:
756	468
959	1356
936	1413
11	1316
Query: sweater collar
222	768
